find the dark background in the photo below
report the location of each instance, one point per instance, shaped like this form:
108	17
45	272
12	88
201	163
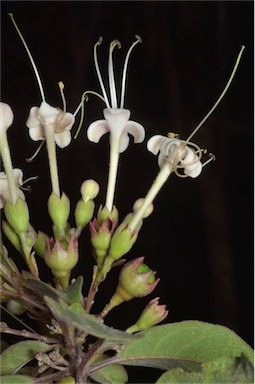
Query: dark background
200	236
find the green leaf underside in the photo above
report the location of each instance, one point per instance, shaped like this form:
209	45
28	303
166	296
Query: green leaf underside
223	370
187	345
111	374
17	355
45	289
16	379
87	323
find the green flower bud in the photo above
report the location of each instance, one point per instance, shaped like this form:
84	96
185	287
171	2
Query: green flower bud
17	215
136	280
62	261
59	210
84	213
40	243
104	213
100	238
151	315
89	190
67	380
12	236
15	307
122	242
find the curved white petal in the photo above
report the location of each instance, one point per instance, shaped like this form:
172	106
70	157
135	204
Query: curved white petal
62	139
153	144
36	130
193	170
68	121
136	130
18	176
6	116
96	130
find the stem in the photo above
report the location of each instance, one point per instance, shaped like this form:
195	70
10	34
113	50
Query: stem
30	335
113	169
51	147
6	156
155	188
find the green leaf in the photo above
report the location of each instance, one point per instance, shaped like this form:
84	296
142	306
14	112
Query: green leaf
16	379
185	345
17	355
86	323
111	374
73	293
45	289
232	370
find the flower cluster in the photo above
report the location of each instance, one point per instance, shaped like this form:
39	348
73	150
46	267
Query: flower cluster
67	312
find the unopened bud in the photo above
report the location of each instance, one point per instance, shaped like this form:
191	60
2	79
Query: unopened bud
151	315
17	215
83	213
59	210
136	280
89	190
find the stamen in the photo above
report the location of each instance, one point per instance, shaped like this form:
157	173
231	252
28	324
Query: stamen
221	95
30	159
123	85
112	86
61	88
30	57
28	188
99	74
212	157
81	106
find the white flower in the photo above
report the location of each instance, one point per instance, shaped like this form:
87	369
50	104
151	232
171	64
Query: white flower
49	117
4	186
6	116
118	124
116	121
177	153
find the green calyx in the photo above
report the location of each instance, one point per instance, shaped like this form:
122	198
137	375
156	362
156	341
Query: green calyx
122	241
84	213
59	210
17	215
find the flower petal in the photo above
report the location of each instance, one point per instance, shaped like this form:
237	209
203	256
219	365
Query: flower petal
62	139
136	130
6	116
36	130
96	130
153	144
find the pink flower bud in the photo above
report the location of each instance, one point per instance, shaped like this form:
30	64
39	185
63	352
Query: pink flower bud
151	315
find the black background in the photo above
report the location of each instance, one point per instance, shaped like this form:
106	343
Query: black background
200	236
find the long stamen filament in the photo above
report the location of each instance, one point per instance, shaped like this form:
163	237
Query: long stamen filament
124	75
99	74
81	106
61	88
212	157
30	159
160	180
113	169
30	57
112	86
221	95
6	156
